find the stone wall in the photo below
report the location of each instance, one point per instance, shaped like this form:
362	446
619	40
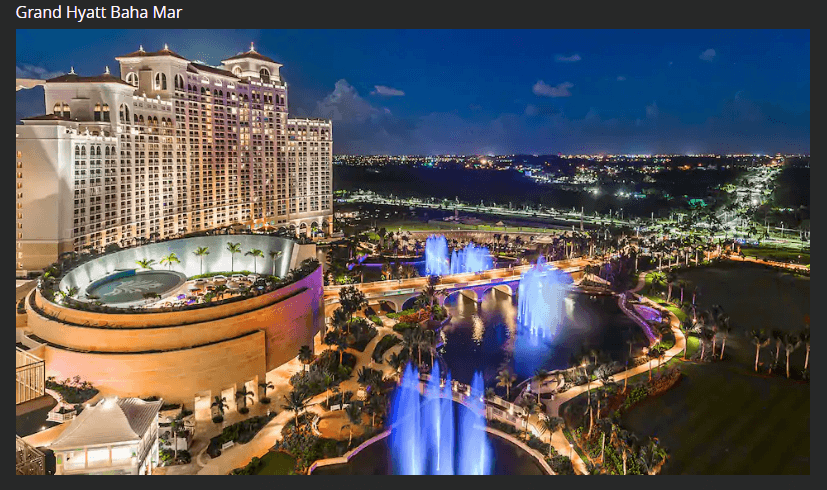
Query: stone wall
176	376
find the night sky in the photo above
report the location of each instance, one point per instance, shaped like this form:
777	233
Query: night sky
512	91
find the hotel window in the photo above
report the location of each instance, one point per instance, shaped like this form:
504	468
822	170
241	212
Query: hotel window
97	112
106	112
19	153
160	81
20	236
19	164
132	79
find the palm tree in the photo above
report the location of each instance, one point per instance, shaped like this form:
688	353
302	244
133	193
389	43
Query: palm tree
170	259
327	383
506	379
651	456
265	385
627	441
306	356
340	341
778	338
531	407
296	402
659	354
255	253
759	339
376	402
552	424
805	339
395	361
242	395
146	263
175	427
724	328
791	343
274	254
354	416
233	248
220	404
539	377
200	252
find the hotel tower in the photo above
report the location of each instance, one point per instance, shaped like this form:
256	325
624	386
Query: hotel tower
170	147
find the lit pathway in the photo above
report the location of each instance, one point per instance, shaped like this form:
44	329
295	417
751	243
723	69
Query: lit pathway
559	441
241	454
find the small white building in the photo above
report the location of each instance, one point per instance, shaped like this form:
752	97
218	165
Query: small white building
117	436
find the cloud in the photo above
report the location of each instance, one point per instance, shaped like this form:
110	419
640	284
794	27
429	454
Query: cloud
652	111
567	59
540	126
36	72
561	90
344	103
621	78
708	55
387	91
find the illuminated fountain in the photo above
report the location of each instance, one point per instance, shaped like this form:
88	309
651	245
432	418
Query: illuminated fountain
472	258
433	436
540	297
436	256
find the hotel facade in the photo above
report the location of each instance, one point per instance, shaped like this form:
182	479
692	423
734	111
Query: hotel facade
170	147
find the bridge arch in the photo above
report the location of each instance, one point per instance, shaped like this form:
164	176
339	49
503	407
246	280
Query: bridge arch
468	293
408	303
503	288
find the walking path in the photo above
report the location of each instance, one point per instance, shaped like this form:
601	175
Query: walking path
241	454
558	439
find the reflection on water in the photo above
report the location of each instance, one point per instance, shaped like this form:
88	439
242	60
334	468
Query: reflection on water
485	336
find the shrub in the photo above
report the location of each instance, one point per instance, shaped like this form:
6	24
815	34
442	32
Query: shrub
402	326
375	319
561	464
73	391
440	313
383	345
637	394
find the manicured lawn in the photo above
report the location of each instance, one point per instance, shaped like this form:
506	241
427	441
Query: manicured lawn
277	463
778	254
721	418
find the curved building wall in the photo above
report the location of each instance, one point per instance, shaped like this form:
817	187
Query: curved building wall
218	260
176	354
176	376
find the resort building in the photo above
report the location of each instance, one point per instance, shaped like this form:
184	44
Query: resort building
169	147
117	436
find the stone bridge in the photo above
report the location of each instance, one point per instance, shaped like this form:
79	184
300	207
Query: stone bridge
396	294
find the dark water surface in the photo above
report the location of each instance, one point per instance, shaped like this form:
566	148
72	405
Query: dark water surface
508	459
485	336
